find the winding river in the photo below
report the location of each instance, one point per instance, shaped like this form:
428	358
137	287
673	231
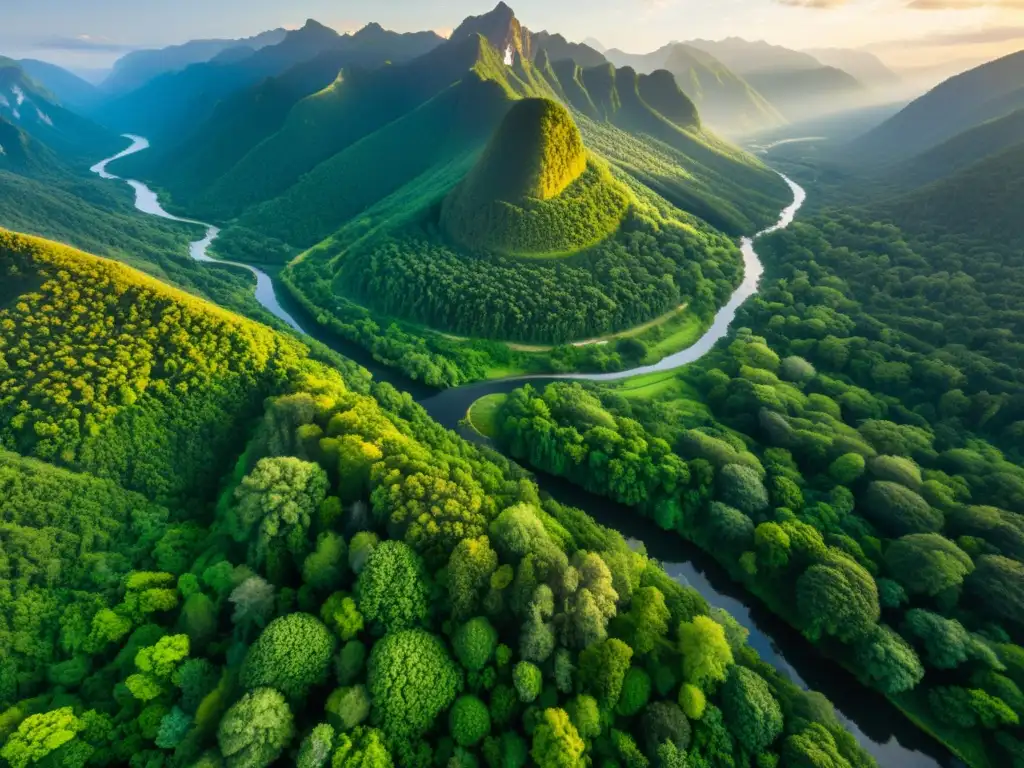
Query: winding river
884	731
147	202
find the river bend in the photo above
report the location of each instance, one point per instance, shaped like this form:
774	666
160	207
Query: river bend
877	725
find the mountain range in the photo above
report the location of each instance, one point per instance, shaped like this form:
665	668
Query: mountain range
255	130
863	65
740	86
267	153
135	69
945	163
987	92
29	107
726	101
171	104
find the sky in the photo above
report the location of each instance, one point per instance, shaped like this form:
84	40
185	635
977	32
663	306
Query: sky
904	33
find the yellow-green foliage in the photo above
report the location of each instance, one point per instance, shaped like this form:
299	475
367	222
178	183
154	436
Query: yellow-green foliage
587	212
536	153
535	191
562	157
94	355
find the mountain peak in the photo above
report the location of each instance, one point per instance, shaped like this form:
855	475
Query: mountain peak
536	153
311	33
534	190
314	25
502	30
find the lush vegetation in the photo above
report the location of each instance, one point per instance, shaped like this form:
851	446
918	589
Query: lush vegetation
618	284
537	152
652	266
589	210
658	259
53	196
855	462
104	371
534	191
364	588
977	201
216	550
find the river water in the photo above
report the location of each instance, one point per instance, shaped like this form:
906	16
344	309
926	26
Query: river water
877	725
147	202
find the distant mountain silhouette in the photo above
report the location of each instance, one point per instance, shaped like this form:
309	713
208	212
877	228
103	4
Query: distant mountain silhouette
984	93
135	69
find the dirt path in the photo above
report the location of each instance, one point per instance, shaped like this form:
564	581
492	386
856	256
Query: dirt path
635	331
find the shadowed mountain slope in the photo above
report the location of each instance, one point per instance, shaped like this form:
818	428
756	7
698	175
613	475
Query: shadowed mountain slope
726	101
135	69
990	91
172	104
27	105
981	201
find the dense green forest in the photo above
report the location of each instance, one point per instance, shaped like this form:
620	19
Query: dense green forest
852	455
659	259
88	378
362	588
222	546
652	266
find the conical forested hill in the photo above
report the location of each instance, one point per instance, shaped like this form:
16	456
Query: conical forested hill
534	190
536	153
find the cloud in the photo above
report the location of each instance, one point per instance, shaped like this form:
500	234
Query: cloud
948	5
83	43
818	4
968	37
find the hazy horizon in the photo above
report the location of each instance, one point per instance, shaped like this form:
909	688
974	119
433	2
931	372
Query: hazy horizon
915	33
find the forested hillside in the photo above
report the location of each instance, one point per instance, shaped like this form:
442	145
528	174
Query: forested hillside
122	377
31	108
170	105
248	113
292	161
363	588
70	90
961	151
224	545
979	202
538	243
